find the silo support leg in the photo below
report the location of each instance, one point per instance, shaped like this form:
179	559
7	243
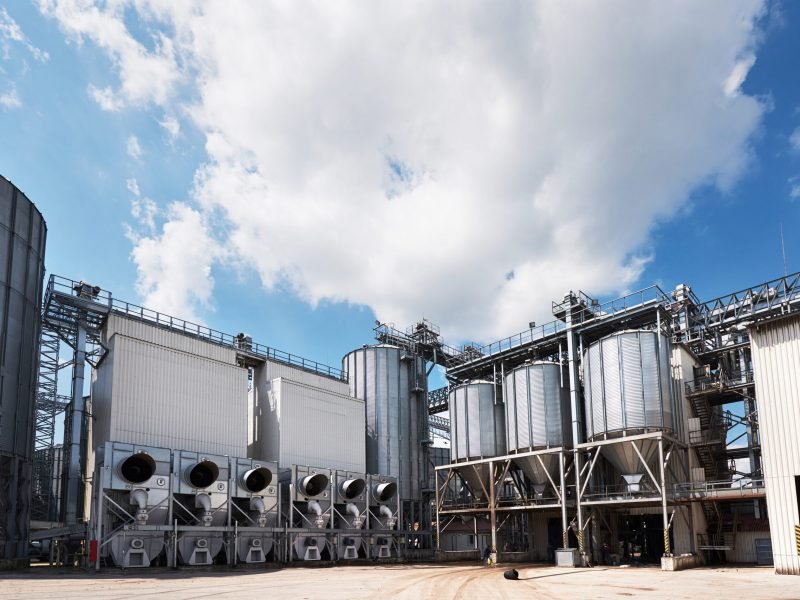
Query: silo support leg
563	499
665	516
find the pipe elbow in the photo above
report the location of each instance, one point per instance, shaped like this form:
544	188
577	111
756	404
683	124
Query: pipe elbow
139	498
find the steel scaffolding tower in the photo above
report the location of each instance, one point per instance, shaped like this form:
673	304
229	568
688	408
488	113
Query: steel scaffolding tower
49	404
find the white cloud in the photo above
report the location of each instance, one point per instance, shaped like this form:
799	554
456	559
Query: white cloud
174	267
10	99
134	148
171	125
794	189
105	97
794	140
10	31
409	156
147	75
738	74
133	187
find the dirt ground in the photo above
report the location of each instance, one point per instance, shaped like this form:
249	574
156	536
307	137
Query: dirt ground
417	582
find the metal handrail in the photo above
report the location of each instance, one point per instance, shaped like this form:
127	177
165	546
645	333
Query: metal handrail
649	295
720	381
706	487
62	284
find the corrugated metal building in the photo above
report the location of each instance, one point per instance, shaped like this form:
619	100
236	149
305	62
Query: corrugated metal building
295	421
160	388
776	361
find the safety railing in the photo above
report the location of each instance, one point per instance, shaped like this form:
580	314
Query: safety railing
720	381
235	342
740	487
589	309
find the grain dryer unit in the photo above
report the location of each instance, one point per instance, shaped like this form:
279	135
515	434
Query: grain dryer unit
350	513
308	492
200	504
132	504
255	507
383	502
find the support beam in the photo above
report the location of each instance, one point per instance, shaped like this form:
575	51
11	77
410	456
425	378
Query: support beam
667	550
75	471
563	499
492	506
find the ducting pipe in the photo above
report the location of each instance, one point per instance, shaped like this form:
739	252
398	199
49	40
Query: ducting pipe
202	474
256	480
386	511
312	485
257	504
204	502
353	510
383	492
137	468
352	488
139	499
315	508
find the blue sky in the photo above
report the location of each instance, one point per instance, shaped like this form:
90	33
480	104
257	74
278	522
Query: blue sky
453	163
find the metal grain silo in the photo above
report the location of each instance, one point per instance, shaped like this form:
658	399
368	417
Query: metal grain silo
537	416
393	385
22	242
627	391
477	430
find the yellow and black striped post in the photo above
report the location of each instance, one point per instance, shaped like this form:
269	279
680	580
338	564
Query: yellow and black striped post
797	537
667	550
580	541
564	539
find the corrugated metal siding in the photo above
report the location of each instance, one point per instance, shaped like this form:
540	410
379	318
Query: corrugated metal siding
102	386
164	397
22	241
776	361
628	384
161	336
537	401
317	427
745	547
275	370
478	426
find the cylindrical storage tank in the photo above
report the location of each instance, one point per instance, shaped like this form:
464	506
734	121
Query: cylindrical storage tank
477	424
22	242
393	385
537	407
627	385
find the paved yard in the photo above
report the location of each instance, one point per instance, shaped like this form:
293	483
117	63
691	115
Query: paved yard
437	581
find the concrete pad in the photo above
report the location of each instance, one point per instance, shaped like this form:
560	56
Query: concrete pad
413	582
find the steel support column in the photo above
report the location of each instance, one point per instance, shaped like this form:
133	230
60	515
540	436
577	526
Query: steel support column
75	473
667	550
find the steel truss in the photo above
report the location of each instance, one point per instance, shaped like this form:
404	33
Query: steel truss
504	489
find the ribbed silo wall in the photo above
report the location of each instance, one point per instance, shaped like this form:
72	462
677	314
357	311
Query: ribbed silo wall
537	407
627	384
477	423
22	242
393	386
